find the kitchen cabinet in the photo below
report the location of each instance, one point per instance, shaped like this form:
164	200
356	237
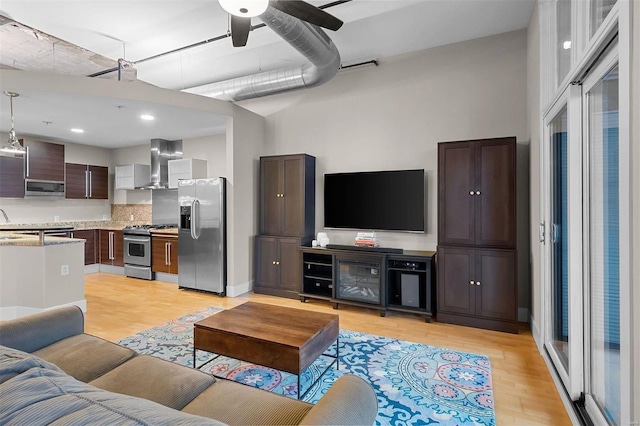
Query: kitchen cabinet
164	254
477	193
111	247
477	282
277	266
90	247
479	290
132	176
186	168
44	161
287	195
86	181
12	177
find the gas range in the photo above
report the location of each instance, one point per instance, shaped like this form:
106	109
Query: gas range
144	229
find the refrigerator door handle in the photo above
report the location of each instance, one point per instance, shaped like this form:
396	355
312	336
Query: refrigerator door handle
195	216
192	225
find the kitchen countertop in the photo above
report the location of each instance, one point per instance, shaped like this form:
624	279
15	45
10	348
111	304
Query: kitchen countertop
15	239
171	232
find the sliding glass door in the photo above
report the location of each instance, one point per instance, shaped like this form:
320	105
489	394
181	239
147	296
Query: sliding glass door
602	267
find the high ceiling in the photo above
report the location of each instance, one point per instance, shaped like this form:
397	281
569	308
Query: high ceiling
85	37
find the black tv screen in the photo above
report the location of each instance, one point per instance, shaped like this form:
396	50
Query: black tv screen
385	200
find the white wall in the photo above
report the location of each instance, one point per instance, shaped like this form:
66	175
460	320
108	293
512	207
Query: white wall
392	117
533	124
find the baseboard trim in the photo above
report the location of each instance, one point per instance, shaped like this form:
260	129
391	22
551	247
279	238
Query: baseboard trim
167	278
13	312
239	289
110	269
535	332
91	269
523	314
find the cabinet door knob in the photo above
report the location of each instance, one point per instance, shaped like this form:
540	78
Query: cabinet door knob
273	262
477	192
472	282
277	262
477	282
471	192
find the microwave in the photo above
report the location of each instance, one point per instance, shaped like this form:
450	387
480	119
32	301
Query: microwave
43	188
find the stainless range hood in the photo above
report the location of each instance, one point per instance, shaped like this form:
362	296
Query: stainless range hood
161	152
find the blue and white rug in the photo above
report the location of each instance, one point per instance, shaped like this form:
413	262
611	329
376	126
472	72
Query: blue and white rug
416	384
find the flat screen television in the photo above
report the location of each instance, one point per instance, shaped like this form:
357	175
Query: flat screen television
384	200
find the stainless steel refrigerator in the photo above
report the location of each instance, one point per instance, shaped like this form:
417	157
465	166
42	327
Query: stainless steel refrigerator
202	245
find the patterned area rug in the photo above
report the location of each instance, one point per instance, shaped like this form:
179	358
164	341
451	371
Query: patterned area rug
416	384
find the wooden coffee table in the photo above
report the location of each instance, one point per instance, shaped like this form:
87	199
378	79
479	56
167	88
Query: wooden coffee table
285	339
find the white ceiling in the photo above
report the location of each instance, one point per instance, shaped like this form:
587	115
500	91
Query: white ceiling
139	29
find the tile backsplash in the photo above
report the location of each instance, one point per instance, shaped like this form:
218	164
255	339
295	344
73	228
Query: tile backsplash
141	213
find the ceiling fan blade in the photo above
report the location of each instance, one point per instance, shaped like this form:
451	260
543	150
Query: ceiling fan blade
307	12
240	30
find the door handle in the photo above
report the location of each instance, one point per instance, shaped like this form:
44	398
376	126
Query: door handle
26	156
86	184
193	220
196	218
169	256
111	256
90	185
555	231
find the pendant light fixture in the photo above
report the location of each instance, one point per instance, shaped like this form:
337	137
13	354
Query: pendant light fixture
245	8
13	144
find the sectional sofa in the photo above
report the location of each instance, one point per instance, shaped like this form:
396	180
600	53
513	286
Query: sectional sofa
51	372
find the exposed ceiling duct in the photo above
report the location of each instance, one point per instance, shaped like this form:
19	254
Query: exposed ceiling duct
310	40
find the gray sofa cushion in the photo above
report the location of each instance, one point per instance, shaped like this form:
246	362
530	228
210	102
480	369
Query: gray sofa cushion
85	357
47	397
157	380
227	402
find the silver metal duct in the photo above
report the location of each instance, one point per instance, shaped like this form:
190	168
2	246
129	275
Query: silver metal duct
161	152
308	39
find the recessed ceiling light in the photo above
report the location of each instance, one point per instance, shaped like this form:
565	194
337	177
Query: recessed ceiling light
147	117
566	45
77	130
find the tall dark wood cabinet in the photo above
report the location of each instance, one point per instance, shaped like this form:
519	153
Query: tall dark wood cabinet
286	220
477	262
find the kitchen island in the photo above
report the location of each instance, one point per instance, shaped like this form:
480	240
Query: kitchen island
39	272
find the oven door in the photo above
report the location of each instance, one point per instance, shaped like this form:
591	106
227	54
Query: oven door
137	250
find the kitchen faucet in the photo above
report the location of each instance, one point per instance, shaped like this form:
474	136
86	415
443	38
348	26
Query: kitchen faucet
6	218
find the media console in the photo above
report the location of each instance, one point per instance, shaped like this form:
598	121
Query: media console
396	280
369	249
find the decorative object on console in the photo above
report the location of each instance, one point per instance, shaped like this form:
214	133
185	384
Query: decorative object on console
477	267
366	239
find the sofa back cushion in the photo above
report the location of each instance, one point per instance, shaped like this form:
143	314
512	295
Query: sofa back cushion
29	333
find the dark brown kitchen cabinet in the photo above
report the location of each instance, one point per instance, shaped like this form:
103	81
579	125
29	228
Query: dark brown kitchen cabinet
44	161
287	195
477	193
480	289
11	177
85	181
277	266
164	254
111	247
90	247
477	281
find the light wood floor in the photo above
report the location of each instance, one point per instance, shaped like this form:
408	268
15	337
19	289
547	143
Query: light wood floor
524	392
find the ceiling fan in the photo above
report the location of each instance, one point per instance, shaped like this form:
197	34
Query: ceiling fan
243	10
